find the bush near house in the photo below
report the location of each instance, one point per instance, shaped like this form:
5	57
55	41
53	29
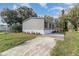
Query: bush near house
9	40
68	47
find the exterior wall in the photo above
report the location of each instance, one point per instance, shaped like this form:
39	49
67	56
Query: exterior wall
48	29
33	25
3	28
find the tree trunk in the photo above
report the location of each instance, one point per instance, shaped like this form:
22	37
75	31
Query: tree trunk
66	28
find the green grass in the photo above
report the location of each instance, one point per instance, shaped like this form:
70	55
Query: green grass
68	47
58	50
71	43
9	40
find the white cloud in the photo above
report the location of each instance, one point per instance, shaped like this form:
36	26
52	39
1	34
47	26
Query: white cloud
58	12
71	6
25	4
69	3
43	5
15	6
55	16
57	8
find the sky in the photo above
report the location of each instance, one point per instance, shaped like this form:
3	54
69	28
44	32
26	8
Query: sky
41	9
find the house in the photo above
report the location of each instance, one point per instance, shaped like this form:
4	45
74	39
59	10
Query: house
37	25
3	27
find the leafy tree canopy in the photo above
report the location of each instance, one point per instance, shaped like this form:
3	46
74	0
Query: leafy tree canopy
18	15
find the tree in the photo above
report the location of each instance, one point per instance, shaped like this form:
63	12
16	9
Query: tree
63	21
48	18
12	17
9	16
25	12
73	15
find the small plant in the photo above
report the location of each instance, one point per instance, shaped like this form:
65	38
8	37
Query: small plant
33	33
37	33
28	32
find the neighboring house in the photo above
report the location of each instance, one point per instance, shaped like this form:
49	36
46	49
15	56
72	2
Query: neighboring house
37	25
3	28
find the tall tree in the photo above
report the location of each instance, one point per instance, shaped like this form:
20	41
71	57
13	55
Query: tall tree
48	18
63	21
9	16
74	16
16	17
25	12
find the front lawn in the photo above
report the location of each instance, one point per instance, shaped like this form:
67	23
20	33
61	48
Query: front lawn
58	50
68	47
9	40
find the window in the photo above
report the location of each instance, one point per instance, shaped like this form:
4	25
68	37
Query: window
49	25
52	26
45	24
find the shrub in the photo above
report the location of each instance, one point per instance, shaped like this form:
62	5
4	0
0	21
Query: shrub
68	47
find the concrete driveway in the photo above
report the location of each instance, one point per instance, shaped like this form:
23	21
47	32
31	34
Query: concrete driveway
58	36
40	46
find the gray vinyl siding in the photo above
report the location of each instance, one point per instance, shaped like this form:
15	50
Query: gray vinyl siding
36	25
33	24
